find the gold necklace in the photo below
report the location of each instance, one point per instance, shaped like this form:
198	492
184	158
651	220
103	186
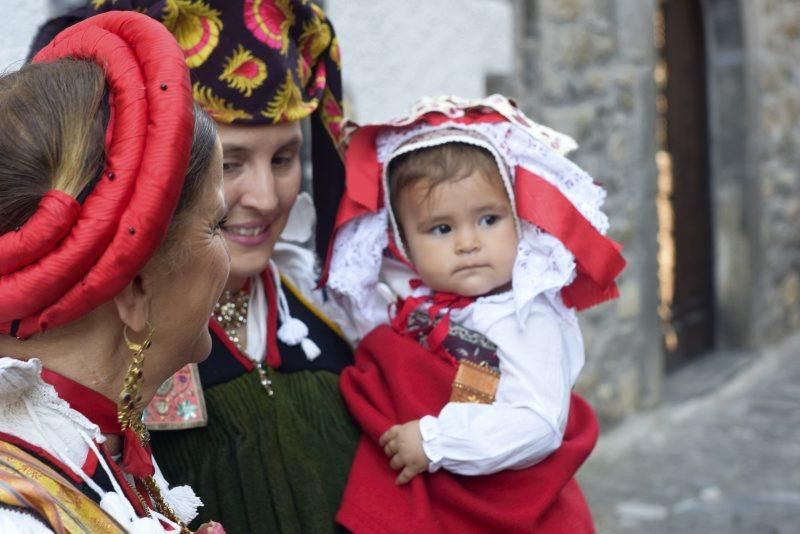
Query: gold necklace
231	314
161	505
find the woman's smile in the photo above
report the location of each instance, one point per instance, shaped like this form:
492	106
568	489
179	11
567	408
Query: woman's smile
247	234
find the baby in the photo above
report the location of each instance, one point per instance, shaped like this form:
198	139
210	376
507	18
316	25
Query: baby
488	232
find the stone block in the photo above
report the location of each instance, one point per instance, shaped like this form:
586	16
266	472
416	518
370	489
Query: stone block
634	27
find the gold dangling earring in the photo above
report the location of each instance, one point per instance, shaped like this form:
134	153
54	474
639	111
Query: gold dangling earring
127	413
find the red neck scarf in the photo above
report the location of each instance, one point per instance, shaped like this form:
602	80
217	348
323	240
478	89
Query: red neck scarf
440	301
102	411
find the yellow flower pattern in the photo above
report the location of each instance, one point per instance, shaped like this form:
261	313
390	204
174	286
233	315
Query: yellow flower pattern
287	105
270	21
196	27
244	71
218	108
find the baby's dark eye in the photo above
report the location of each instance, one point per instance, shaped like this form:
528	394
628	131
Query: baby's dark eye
440	229
488	220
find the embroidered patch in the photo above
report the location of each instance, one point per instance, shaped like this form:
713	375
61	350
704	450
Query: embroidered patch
179	403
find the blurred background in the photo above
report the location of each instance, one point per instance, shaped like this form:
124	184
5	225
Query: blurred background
688	112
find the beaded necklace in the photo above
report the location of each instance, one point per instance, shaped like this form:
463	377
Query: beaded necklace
231	313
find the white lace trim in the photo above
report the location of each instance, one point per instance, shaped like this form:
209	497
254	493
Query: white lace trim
517	148
357	255
543	266
16	522
21	389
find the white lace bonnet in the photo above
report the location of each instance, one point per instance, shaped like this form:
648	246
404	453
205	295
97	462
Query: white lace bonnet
551	196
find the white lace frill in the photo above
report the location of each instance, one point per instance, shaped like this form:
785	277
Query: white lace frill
24	395
355	268
517	148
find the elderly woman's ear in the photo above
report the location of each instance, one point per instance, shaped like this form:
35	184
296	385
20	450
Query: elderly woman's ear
133	303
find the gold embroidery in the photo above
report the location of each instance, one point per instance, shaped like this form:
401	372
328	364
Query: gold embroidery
474	383
49	494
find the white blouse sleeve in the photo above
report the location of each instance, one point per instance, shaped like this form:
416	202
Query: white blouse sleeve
538	366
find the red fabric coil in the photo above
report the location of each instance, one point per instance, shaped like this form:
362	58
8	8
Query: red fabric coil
124	220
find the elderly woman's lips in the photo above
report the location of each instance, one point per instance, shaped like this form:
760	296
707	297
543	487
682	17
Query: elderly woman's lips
248	235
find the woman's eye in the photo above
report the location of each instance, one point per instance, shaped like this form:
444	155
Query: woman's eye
283	159
488	220
228	166
440	229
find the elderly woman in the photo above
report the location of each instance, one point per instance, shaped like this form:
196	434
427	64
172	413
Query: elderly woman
111	260
260	430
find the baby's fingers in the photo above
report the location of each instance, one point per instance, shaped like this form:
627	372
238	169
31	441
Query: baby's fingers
405	476
388	435
396	462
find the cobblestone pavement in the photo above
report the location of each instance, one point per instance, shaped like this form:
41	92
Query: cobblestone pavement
725	462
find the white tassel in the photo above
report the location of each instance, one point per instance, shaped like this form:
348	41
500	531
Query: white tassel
311	349
145	525
183	502
292	331
117	507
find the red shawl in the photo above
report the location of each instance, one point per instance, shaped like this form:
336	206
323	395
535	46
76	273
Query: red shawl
395	380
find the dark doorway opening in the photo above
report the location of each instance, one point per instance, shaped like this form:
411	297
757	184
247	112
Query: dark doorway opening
686	267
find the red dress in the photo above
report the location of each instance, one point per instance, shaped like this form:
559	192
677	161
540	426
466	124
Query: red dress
396	380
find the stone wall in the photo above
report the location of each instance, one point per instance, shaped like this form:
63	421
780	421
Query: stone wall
733	216
585	67
772	33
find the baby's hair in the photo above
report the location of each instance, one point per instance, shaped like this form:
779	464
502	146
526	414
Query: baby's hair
439	164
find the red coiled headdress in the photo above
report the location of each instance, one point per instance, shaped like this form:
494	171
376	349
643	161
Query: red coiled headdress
71	255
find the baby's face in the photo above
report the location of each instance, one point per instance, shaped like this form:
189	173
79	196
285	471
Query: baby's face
461	236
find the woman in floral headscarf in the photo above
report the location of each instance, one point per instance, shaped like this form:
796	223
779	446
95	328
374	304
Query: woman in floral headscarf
259	428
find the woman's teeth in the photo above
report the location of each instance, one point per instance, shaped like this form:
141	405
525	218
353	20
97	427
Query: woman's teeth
247	231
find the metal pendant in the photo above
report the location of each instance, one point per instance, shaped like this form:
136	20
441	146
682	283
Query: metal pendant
263	375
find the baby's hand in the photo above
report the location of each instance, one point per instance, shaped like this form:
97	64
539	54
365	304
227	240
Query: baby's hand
403	444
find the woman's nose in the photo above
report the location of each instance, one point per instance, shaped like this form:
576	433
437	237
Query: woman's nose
260	191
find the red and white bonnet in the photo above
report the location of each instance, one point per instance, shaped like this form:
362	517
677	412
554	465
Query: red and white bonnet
563	250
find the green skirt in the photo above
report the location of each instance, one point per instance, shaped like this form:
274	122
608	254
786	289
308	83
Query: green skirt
266	464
